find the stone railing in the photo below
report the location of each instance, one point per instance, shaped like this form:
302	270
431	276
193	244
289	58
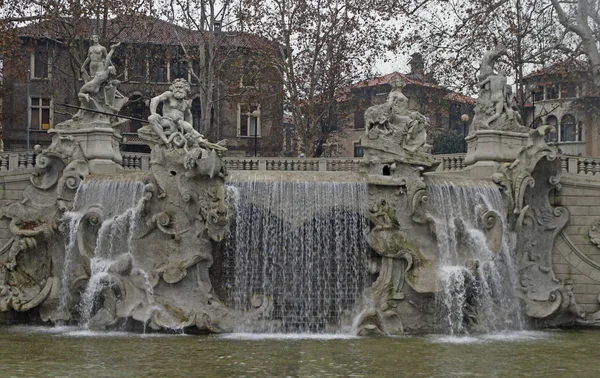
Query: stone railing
292	164
450	162
25	160
580	165
135	161
12	161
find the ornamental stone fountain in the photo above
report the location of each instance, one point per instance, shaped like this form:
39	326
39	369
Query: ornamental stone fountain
468	252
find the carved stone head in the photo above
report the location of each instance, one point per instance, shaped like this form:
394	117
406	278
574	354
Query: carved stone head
180	88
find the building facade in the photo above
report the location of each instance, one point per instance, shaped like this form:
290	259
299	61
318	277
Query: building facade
443	107
247	108
563	95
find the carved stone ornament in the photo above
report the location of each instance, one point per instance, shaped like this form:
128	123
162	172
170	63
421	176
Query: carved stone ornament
594	234
394	133
495	107
527	183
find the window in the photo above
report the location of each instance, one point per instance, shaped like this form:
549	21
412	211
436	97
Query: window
249	120
40	63
136	66
569	129
538	95
248	80
196	114
40	114
359	119
568	90
196	69
551	92
136	107
178	66
358	150
158	71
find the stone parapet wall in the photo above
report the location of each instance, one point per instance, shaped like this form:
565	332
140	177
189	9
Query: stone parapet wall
578	165
575	257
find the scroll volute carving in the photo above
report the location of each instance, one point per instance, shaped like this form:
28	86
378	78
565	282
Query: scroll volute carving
87	231
51	166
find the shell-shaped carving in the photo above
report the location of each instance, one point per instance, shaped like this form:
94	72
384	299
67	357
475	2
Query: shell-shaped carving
72	177
52	165
189	195
87	230
490	218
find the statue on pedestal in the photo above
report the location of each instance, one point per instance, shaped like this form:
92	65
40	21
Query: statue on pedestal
494	110
395	133
95	58
176	120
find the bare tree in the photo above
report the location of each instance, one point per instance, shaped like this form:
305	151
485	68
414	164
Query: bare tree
324	45
582	17
453	35
69	24
223	57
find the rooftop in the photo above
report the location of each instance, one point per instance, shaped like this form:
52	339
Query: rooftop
408	80
135	29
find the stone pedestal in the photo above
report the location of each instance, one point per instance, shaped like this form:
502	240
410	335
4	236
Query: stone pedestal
100	145
494	145
489	148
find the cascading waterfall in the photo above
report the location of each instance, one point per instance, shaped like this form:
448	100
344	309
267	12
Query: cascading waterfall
117	197
477	280
301	244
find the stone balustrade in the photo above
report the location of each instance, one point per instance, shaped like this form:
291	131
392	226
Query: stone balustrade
450	162
579	165
292	164
12	161
24	160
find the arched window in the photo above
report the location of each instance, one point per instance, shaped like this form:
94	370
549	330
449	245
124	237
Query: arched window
197	114
552	121
568	129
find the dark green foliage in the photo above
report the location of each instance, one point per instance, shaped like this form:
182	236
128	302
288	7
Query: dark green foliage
449	142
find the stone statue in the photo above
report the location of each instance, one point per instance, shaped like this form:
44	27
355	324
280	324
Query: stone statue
99	93
494	108
393	131
496	85
489	61
176	120
95	58
99	77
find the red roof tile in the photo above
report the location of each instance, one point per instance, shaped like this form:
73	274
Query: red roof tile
565	67
141	29
391	77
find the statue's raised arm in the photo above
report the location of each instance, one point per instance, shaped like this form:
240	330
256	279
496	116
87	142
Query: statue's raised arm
488	61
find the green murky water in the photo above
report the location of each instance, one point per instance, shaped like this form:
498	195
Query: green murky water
68	352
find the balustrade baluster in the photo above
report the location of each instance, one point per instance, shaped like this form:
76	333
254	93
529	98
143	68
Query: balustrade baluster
4	163
581	168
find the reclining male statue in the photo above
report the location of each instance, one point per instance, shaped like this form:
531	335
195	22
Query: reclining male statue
176	118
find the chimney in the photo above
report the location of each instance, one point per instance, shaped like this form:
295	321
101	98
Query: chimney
417	67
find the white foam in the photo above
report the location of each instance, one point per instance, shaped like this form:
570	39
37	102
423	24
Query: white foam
74	331
287	336
512	336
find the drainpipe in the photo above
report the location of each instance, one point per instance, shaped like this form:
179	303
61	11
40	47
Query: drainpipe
28	107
